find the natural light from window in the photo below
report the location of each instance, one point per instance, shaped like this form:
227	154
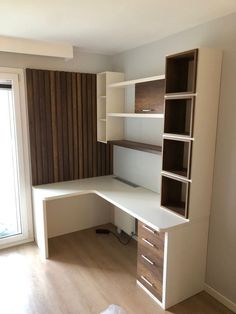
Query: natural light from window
10	223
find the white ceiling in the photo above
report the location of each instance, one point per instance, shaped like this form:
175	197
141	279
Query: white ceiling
106	26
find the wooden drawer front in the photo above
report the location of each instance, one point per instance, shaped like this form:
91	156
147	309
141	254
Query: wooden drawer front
149	280
151	261
150	238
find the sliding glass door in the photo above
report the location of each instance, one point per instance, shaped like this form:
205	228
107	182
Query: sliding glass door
14	202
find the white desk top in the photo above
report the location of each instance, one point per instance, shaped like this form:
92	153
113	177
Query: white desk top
139	202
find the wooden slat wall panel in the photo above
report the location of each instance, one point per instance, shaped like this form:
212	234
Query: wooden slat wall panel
62	113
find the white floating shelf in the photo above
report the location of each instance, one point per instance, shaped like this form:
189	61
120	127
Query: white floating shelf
137	115
141	80
102	96
103	120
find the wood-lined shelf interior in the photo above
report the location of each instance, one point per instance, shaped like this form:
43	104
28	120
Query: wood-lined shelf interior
181	71
149	97
176	157
136	81
179	116
153	149
175	195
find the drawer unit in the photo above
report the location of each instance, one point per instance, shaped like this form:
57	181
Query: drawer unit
150	259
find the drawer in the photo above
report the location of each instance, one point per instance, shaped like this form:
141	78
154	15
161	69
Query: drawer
149	280
152	262
150	238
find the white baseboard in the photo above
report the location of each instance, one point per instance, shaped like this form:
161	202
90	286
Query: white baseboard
219	297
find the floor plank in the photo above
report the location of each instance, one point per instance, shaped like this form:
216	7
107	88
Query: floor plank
85	274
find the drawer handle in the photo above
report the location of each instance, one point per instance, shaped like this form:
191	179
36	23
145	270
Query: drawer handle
149	229
147	281
148	242
147	259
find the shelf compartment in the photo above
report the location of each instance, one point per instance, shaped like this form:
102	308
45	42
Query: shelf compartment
177	157
181	70
136	81
136	115
148	148
101	84
174	195
149	97
179	116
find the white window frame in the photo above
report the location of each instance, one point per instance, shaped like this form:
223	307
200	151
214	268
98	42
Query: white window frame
21	116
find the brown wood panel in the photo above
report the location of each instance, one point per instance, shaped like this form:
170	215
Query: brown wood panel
149	97
62	113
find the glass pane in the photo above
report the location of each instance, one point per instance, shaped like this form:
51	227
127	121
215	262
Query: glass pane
9	193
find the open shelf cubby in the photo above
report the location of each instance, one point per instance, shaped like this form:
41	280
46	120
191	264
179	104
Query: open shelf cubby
181	71
174	195
176	157
179	116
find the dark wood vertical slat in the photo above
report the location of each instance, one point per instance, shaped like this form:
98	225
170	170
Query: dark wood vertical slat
70	125
32	134
54	126
103	159
80	127
94	124
37	126
63	131
90	123
75	127
111	159
64	127
59	126
85	124
99	158
48	113
43	125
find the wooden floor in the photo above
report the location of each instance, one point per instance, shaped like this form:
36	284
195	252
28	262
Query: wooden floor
86	273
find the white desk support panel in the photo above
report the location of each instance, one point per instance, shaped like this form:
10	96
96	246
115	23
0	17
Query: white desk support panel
185	247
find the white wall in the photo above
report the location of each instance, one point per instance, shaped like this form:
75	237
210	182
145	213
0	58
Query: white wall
82	62
149	60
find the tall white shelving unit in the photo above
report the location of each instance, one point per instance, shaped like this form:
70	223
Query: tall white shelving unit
109	101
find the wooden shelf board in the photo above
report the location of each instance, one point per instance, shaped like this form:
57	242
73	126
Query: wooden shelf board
153	149
141	80
182	95
181	173
137	115
179	209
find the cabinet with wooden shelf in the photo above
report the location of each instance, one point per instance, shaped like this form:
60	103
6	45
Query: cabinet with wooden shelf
176	159
149	104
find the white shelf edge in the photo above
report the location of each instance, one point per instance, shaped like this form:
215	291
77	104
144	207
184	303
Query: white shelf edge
137	115
175	176
180	95
103	120
141	80
178	137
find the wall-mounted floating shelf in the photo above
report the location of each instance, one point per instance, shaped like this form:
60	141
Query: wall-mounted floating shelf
153	149
136	81
137	115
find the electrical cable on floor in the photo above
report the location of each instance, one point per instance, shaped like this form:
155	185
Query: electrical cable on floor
107	231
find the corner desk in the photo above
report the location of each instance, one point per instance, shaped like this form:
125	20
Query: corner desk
166	258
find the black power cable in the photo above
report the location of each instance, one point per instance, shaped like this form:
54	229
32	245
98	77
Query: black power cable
107	231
